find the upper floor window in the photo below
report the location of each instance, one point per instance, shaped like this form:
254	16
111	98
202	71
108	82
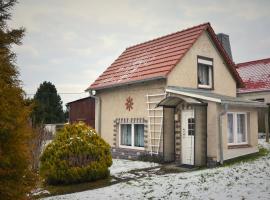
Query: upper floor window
205	73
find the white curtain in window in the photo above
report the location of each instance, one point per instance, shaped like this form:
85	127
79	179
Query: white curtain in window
139	135
203	74
241	130
230	128
126	134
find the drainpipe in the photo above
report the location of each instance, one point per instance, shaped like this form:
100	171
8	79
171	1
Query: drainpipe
220	132
97	111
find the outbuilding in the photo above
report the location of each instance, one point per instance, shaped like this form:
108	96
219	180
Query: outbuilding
82	110
256	76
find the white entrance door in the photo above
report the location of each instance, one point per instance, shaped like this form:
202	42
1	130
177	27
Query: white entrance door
187	133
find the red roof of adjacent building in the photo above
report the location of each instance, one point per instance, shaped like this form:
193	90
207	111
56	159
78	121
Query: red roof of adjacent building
156	58
255	74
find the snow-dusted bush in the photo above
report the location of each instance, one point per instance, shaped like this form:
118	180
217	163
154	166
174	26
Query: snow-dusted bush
78	154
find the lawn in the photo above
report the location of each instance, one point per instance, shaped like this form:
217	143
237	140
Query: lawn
248	179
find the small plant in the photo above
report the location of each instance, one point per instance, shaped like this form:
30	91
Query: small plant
151	158
78	154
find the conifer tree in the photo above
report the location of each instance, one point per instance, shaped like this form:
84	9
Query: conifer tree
48	108
15	132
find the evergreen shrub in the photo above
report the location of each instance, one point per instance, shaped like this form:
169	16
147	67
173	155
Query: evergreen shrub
77	154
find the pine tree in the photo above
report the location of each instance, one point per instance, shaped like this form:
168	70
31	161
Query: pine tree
48	109
15	132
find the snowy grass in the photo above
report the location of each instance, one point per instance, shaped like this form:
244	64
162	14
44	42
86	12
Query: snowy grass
244	180
119	170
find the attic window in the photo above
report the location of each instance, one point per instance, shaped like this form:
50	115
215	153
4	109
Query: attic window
205	73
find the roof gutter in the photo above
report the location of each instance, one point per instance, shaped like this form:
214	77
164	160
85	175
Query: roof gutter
194	95
252	91
125	83
97	113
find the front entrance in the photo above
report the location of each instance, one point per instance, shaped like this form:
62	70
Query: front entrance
187	137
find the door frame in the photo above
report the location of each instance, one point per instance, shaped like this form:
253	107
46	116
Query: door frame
194	142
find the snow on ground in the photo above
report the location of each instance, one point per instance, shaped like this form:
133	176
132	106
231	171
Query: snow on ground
120	166
241	181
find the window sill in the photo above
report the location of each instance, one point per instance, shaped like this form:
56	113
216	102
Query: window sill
208	87
238	146
131	147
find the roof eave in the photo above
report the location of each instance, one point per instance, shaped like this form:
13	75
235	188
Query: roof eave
252	91
88	97
246	104
220	100
125	83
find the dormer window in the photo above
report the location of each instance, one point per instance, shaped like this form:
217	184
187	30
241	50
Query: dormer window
205	73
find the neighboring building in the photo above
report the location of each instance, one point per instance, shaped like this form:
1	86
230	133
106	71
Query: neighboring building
256	76
82	110
176	96
53	128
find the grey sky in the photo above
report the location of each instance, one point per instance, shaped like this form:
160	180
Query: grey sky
71	42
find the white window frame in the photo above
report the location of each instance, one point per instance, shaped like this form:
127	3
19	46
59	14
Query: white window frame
208	63
235	128
132	137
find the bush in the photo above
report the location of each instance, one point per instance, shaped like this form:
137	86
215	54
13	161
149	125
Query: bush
77	154
151	158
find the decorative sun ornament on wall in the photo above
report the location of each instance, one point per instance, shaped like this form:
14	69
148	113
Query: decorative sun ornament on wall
129	103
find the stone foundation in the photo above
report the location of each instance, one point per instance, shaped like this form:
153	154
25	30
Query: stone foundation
121	153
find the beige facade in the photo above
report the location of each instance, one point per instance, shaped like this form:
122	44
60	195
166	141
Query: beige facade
185	73
252	134
113	104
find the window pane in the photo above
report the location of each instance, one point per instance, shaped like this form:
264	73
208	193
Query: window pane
126	134
230	128
139	135
204	74
191	126
241	128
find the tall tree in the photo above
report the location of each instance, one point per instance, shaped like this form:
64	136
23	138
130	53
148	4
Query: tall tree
48	109
15	132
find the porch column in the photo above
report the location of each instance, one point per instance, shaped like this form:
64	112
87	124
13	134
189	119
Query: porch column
266	124
212	134
168	135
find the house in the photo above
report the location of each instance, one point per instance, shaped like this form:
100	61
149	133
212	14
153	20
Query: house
82	110
175	96
256	76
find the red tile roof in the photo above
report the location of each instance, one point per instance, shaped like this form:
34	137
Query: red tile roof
255	74
156	58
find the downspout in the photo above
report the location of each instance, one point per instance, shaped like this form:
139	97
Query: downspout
220	132
97	112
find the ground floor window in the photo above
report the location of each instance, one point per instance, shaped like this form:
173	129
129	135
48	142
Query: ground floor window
237	128
132	135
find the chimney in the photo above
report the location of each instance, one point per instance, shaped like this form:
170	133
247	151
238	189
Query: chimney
225	41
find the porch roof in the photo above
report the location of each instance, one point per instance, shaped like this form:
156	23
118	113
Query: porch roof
202	96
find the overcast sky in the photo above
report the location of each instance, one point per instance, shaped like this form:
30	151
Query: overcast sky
71	42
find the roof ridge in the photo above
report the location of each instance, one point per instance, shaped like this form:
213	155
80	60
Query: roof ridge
203	24
252	62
